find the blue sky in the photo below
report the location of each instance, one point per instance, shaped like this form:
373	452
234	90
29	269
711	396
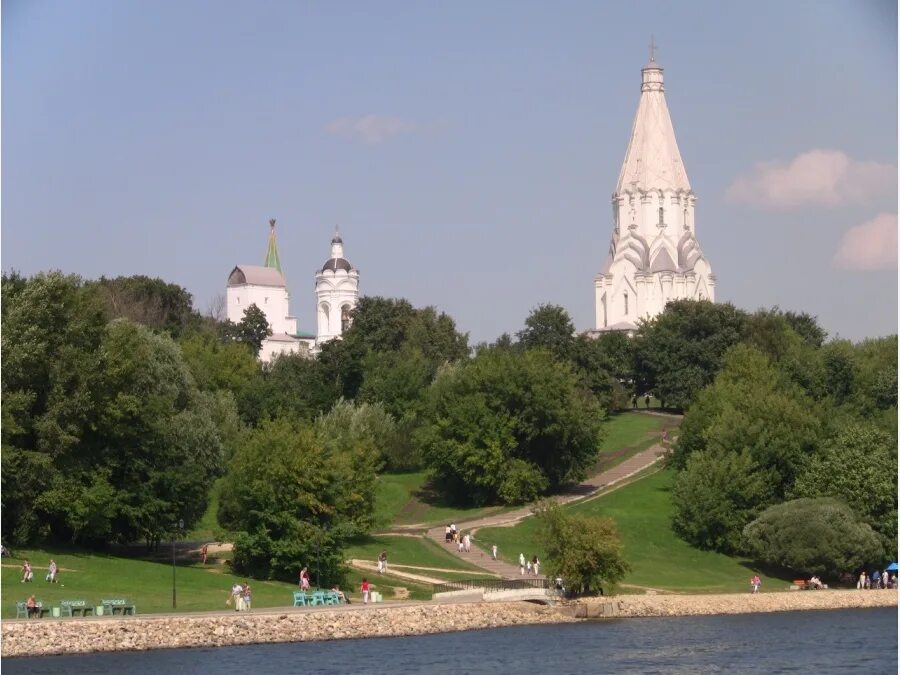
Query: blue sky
468	150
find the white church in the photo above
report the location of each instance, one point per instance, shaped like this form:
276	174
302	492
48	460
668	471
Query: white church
337	293
654	256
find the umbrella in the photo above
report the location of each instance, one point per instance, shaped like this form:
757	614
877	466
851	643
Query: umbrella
892	567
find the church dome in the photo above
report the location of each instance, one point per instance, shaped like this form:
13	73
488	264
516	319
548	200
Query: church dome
335	264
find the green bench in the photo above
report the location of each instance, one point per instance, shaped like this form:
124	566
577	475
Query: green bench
75	608
124	606
22	610
302	599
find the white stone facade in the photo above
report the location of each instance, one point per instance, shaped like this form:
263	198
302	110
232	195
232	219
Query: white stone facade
337	292
654	255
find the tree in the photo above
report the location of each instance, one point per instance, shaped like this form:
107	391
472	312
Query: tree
679	352
584	550
148	301
549	327
508	426
252	330
293	499
715	496
752	407
859	467
813	536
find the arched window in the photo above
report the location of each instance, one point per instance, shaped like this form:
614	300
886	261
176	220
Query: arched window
603	302
325	318
345	318
625	295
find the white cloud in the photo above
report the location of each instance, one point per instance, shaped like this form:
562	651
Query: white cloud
370	129
818	177
870	246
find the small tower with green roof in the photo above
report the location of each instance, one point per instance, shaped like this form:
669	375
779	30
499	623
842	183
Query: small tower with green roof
272	259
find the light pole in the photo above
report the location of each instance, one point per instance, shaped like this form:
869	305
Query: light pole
180	526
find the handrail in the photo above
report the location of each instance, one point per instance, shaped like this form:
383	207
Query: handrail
491	585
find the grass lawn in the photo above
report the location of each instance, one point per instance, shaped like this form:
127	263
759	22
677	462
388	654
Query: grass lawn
403	550
628	433
148	584
658	558
208	528
404	499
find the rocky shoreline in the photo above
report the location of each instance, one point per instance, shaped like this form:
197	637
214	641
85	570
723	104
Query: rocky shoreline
74	636
733	603
78	636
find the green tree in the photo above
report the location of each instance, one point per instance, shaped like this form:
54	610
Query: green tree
148	301
813	536
549	327
584	550
252	330
859	467
715	496
679	352
293	499
508	426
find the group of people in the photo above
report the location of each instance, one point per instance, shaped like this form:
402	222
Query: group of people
876	580
52	572
463	542
240	596
532	566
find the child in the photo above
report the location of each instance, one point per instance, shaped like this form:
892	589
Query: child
364	587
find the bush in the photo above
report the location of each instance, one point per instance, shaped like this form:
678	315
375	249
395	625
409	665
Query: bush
813	536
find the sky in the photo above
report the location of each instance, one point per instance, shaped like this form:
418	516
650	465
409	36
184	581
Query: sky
467	150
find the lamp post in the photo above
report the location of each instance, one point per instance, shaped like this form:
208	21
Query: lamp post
180	526
318	549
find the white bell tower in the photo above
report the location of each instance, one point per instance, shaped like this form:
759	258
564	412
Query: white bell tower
337	292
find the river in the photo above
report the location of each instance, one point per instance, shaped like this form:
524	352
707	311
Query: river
841	641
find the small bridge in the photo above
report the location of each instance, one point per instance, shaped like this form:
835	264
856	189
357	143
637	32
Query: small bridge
535	589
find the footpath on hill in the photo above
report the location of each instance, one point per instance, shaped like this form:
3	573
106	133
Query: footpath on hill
589	487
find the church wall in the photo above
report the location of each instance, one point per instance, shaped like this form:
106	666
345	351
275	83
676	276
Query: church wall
273	301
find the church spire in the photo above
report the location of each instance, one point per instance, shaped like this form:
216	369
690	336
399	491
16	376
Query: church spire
652	161
272	259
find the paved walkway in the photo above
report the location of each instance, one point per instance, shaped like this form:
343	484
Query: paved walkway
591	486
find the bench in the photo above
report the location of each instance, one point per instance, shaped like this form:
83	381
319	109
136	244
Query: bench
124	606
75	608
22	610
299	599
800	585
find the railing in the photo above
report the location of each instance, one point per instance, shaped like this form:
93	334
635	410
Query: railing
491	585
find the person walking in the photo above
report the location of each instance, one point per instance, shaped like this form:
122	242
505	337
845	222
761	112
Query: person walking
536	564
52	569
528	566
304	580
236	592
364	588
522	564
204	551
861	583
246	596
494	552
27	573
754	583
467	542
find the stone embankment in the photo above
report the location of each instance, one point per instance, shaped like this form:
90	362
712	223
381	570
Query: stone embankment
72	636
746	603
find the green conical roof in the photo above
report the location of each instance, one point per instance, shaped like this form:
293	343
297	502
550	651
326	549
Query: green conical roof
272	259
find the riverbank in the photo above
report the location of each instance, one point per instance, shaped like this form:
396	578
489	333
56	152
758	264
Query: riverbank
73	636
629	606
76	636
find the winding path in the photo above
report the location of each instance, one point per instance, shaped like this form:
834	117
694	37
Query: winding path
589	487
